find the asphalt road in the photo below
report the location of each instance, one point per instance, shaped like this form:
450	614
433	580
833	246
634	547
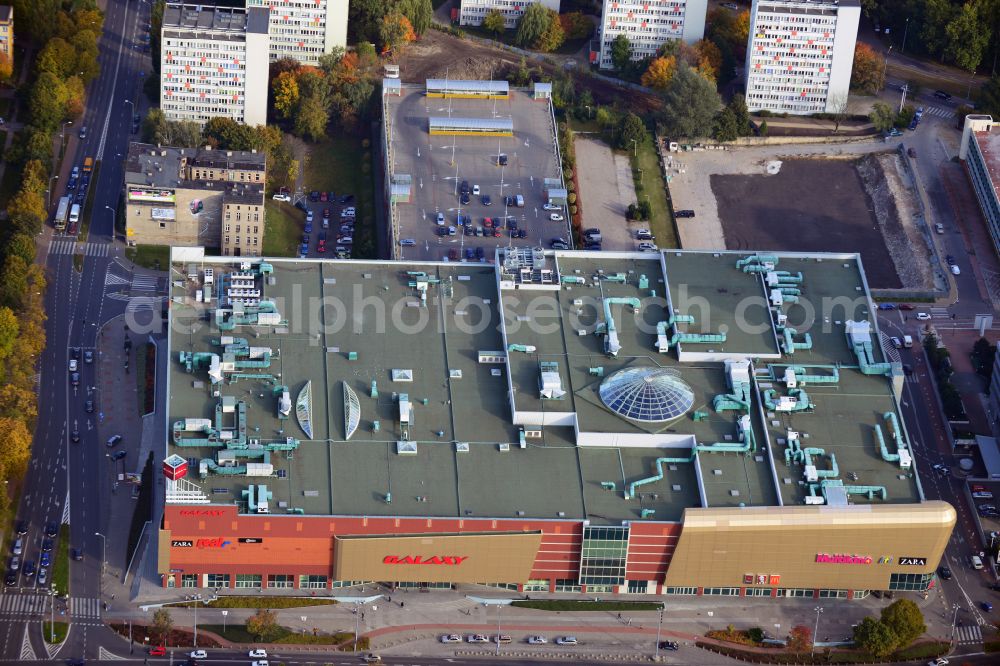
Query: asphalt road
76	305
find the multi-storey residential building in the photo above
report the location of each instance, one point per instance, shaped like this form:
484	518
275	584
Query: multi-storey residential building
980	150
800	55
472	12
648	25
7	31
214	62
189	196
304	29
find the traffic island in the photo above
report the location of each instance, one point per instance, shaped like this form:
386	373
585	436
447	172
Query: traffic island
54	633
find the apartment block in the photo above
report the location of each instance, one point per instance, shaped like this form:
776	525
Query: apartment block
7	31
648	26
800	55
304	29
190	196
214	62
472	12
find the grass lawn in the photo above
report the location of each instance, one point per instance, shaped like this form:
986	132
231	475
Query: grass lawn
155	257
339	164
571	605
54	633
650	185
60	567
283	224
237	633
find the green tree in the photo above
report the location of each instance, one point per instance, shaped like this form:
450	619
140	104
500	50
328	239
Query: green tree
725	126
182	134
37	146
262	624
47	101
155	26
87	66
20	245
419	12
968	35
621	52
937	17
875	637
153	125
632	129
690	105
35	176
14	285
494	22
26	211
228	134
532	25
311	119
883	116
163	624
8	331
904	618
553	36
763	129
738	105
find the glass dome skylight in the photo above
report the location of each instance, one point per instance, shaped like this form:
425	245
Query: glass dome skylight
647	394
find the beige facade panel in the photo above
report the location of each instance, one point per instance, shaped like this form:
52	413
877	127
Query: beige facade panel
855	547
465	558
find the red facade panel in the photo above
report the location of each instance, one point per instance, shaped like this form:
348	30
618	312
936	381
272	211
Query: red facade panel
650	547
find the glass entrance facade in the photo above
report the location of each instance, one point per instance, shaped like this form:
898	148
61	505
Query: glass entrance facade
603	555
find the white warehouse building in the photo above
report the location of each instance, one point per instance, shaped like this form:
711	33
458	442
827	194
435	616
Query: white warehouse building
213	62
800	55
304	29
648	26
472	12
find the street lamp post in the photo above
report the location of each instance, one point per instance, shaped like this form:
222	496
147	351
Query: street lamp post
357	625
499	607
954	621
225	615
104	557
52	616
659	623
635	148
113	219
905	30
885	65
819	610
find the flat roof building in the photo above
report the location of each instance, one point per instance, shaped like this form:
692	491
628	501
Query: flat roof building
349	421
195	196
648	26
214	63
800	54
304	29
980	149
472	12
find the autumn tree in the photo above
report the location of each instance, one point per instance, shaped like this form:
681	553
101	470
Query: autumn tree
20	245
262	624
15	445
576	25
395	31
75	97
16	401
659	72
26	212
47	101
57	57
553	36
800	638
8	332
418	12
6	67
494	22
866	75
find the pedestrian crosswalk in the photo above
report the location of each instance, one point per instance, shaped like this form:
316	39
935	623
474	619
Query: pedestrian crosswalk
940	313
969	635
145	283
72	247
939	112
84	607
23	604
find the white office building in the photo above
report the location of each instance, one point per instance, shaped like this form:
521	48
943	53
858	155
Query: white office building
800	55
648	24
213	62
304	29
472	12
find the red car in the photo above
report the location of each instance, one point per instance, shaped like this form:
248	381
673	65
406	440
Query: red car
496	233
322	196
158	651
906	306
322	246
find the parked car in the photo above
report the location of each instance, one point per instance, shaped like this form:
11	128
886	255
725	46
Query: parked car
314	196
938	227
477	638
486	201
643	234
537	640
114	440
923	316
907	306
323	197
118	455
940	661
669	645
558	244
158	651
955	270
451	638
408	242
347	198
940	94
551	206
258	653
976	562
281	197
684	213
502	638
566	640
887	306
556	217
199	654
480	253
645	246
944	572
982	494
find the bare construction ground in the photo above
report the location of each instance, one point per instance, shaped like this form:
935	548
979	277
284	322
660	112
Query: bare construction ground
810	205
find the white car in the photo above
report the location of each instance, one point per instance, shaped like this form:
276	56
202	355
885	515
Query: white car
349	212
451	638
258	653
73	365
537	640
475	190
408	242
551	206
309	216
281	197
955	270
199	654
477	638
556	217
923	316
566	640
940	661
646	246
440	219
260	662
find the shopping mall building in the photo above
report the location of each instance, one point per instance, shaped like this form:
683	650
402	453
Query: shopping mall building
609	422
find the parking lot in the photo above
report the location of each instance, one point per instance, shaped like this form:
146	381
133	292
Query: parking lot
439	164
606	190
330	231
